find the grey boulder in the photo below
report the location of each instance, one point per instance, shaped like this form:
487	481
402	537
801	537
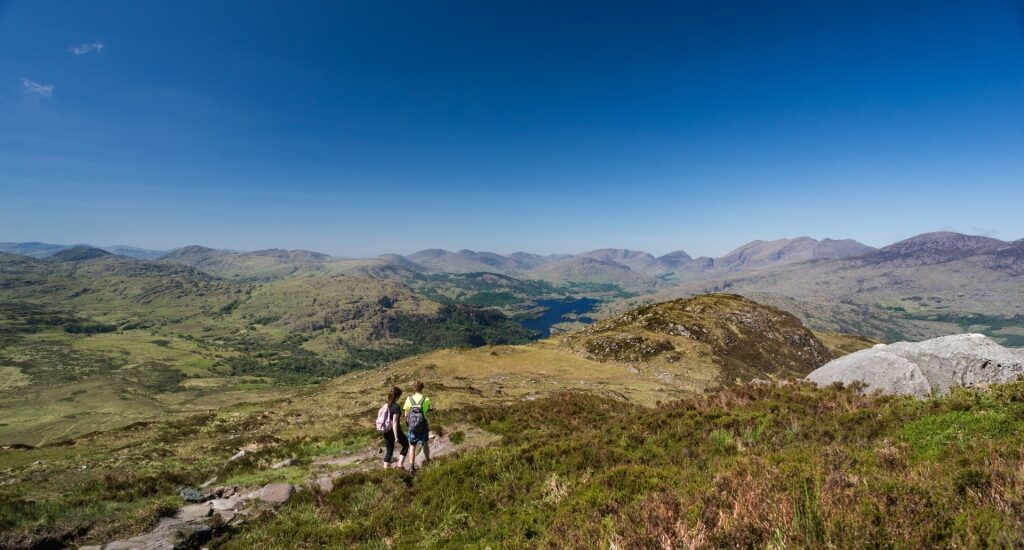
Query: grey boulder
274	493
919	368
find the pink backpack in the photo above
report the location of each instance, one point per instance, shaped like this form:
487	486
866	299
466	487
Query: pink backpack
384	419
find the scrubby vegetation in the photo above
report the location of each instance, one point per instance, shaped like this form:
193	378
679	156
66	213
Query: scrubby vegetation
753	466
757	465
734	335
104	346
103	341
453	326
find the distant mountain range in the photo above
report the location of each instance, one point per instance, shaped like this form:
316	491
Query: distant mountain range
632	270
921	287
638	270
45	250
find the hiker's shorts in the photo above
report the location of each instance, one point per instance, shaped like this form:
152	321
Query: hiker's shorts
416	440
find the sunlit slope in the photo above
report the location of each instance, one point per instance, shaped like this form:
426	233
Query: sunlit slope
724	338
674	348
99	341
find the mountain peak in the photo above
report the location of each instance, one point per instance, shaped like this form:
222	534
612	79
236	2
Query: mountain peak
939	246
676	255
80	253
190	250
780	251
429	253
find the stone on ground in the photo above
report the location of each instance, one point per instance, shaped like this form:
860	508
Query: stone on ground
220	504
919	368
878	369
284	463
193	512
324	484
140	543
275	493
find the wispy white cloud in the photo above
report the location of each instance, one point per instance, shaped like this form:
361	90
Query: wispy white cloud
83	49
35	88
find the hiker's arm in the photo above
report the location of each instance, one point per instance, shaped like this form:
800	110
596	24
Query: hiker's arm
394	425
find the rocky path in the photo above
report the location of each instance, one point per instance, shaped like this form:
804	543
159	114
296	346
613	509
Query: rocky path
194	523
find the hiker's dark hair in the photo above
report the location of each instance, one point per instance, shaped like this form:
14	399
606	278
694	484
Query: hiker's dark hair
418	386
394	394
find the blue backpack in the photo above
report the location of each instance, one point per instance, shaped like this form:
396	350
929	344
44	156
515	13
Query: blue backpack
417	422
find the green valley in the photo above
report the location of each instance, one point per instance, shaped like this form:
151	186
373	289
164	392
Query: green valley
643	425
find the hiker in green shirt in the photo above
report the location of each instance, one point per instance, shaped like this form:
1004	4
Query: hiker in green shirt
416	407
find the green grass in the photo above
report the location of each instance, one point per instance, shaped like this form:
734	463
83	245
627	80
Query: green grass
295	475
749	467
752	466
158	336
962	429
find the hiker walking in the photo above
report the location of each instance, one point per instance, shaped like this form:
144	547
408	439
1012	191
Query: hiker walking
416	407
389	424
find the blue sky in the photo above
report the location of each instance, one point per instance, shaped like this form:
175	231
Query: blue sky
358	128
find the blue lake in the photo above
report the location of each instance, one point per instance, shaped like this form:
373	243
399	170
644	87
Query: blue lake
556	312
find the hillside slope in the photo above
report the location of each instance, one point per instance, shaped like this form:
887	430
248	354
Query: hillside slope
259	265
752	465
741	338
98	340
926	286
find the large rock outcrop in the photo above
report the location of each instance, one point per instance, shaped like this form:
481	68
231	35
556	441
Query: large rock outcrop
919	368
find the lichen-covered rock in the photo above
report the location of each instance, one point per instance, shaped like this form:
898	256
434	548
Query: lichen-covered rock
191	494
230	503
324	484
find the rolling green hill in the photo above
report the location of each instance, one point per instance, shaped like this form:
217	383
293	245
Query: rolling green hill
260	265
730	337
92	340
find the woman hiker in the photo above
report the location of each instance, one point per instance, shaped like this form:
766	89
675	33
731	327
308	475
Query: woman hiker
416	407
389	424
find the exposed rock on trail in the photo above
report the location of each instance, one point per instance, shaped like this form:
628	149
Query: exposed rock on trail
910	368
192	524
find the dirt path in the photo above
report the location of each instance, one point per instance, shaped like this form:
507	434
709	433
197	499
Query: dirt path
192	523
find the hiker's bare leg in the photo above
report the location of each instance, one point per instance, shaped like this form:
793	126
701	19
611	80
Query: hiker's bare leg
412	456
